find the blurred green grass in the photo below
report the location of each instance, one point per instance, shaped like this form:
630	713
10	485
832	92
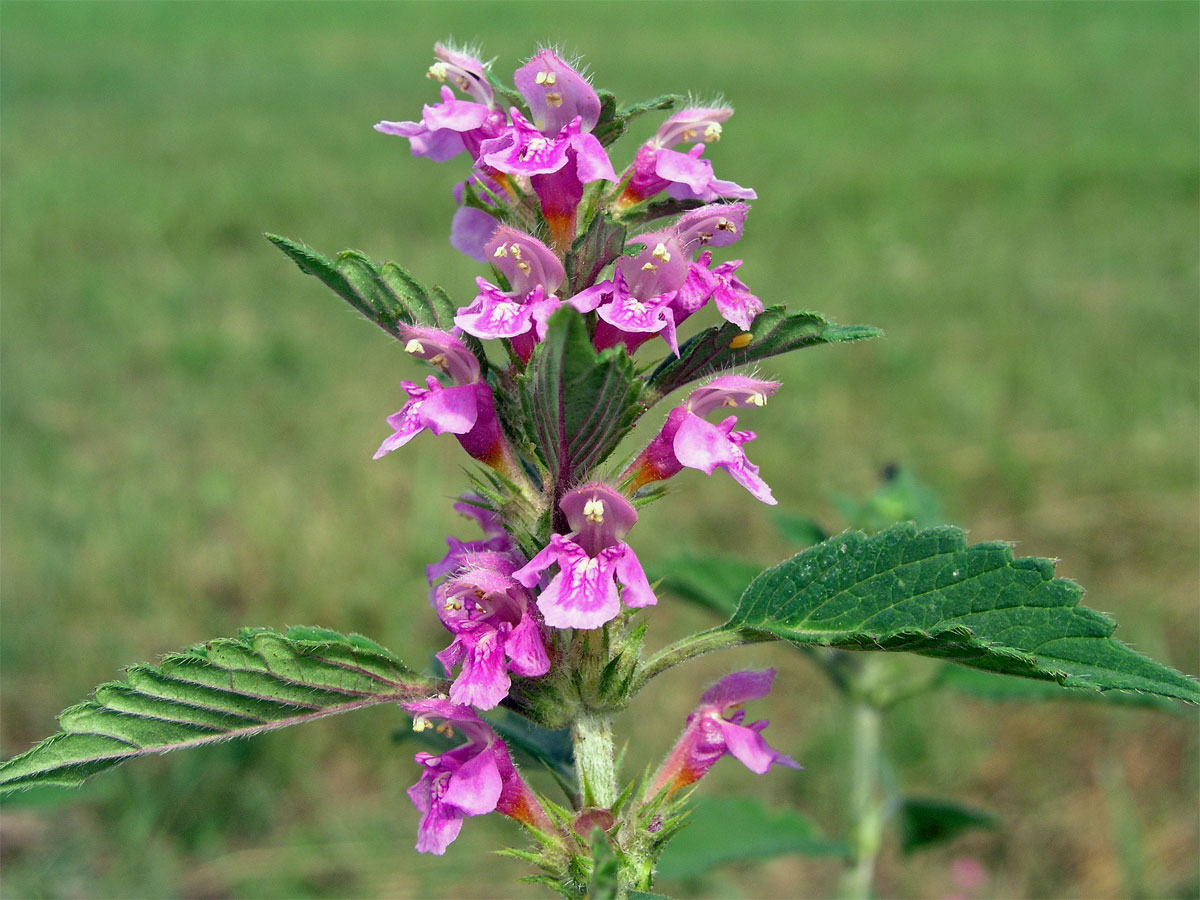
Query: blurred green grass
1009	190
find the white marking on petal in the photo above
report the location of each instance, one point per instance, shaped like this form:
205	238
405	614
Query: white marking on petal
593	511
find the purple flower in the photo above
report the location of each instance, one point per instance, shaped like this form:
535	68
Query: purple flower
557	167
687	439
734	301
556	93
657	167
496	538
637	302
535	274
715	225
465	409
474	778
495	631
471	228
467	72
715	728
449	127
591	560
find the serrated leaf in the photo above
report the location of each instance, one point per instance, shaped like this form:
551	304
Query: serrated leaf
387	295
924	822
613	122
723	830
714	582
927	592
580	402
773	331
227	688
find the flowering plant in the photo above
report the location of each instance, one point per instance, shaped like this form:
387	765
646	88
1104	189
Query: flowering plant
547	613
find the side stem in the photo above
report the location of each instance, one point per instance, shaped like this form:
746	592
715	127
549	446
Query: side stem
692	646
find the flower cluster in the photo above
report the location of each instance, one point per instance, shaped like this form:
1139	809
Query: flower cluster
566	234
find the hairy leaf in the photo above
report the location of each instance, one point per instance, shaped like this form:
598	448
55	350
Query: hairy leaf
924	822
724	830
714	582
226	688
613	122
774	331
581	402
386	295
927	592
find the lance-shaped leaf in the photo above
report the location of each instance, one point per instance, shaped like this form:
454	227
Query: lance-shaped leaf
580	402
613	122
387	295
774	331
226	688
927	592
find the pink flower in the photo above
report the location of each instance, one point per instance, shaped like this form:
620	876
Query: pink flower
657	167
464	409
474	778
715	729
496	539
591	560
689	440
495	631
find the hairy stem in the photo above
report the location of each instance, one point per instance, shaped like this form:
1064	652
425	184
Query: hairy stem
693	646
595	759
866	804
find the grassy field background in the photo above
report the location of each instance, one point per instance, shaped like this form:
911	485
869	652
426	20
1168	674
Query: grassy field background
1010	190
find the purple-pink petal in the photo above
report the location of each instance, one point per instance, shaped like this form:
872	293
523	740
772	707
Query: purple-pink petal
556	93
525	261
740	687
475	786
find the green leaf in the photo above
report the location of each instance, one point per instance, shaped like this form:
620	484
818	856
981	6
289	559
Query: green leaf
613	122
386	295
227	688
927	592
645	895
990	686
580	402
773	332
714	582
924	822
724	830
